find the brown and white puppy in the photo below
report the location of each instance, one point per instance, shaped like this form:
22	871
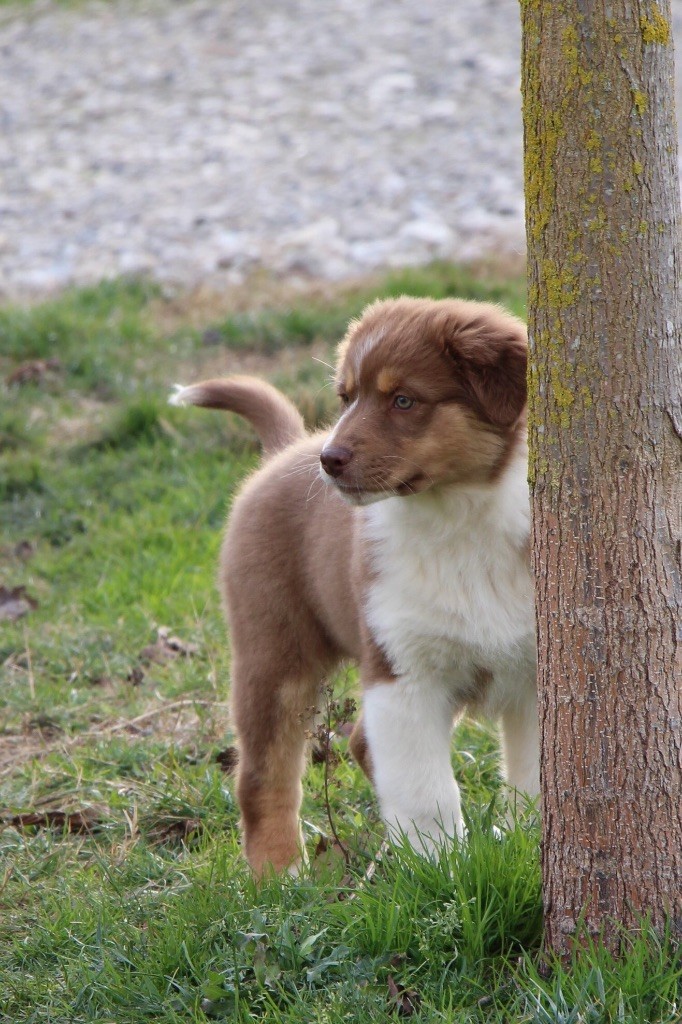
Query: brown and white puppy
399	539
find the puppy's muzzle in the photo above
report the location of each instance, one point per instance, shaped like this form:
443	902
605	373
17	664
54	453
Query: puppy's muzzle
335	459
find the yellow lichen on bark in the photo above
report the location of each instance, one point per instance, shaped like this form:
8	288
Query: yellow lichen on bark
640	101
655	29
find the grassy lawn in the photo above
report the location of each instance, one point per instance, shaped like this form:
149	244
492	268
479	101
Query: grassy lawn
123	897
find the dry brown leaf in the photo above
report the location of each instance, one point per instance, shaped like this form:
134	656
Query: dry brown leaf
46	726
406	1001
173	829
86	820
174	643
32	371
15	602
24	550
158	653
328	852
167	647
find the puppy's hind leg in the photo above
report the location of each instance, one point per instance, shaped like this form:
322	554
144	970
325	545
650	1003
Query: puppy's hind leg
359	747
273	706
521	747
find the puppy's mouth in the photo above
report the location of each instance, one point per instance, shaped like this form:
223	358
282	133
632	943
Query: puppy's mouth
357	495
411	486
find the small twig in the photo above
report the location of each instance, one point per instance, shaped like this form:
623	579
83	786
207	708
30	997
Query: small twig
327	759
159	711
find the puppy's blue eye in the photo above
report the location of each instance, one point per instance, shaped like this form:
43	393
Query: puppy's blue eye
402	402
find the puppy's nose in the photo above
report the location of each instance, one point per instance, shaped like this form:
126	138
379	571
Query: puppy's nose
334	459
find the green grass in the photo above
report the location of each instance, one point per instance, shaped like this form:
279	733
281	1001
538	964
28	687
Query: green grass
126	899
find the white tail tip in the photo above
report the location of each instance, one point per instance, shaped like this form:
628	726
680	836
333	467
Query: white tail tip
181	395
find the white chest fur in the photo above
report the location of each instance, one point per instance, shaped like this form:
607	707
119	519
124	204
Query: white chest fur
451	591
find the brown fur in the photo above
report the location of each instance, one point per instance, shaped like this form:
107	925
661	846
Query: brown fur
274	418
359	748
293	566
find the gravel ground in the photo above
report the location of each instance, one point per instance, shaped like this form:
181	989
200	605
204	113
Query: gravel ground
200	141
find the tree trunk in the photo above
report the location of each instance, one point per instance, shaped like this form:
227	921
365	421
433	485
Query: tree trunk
605	325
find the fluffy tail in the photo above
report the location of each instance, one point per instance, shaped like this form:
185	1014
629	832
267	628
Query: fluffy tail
276	421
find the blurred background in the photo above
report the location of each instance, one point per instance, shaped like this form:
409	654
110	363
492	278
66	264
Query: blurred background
201	141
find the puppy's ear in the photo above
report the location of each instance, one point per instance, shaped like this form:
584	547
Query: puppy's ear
490	353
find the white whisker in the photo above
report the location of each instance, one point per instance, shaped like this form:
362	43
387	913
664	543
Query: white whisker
310	496
302	467
322	363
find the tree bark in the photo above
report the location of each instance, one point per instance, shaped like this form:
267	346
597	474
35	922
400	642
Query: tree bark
605	327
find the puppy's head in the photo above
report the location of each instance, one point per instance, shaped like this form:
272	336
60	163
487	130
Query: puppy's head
433	393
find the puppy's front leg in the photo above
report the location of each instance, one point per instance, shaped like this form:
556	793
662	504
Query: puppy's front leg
408	728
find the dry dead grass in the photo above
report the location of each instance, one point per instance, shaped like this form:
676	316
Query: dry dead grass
180	723
211	301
